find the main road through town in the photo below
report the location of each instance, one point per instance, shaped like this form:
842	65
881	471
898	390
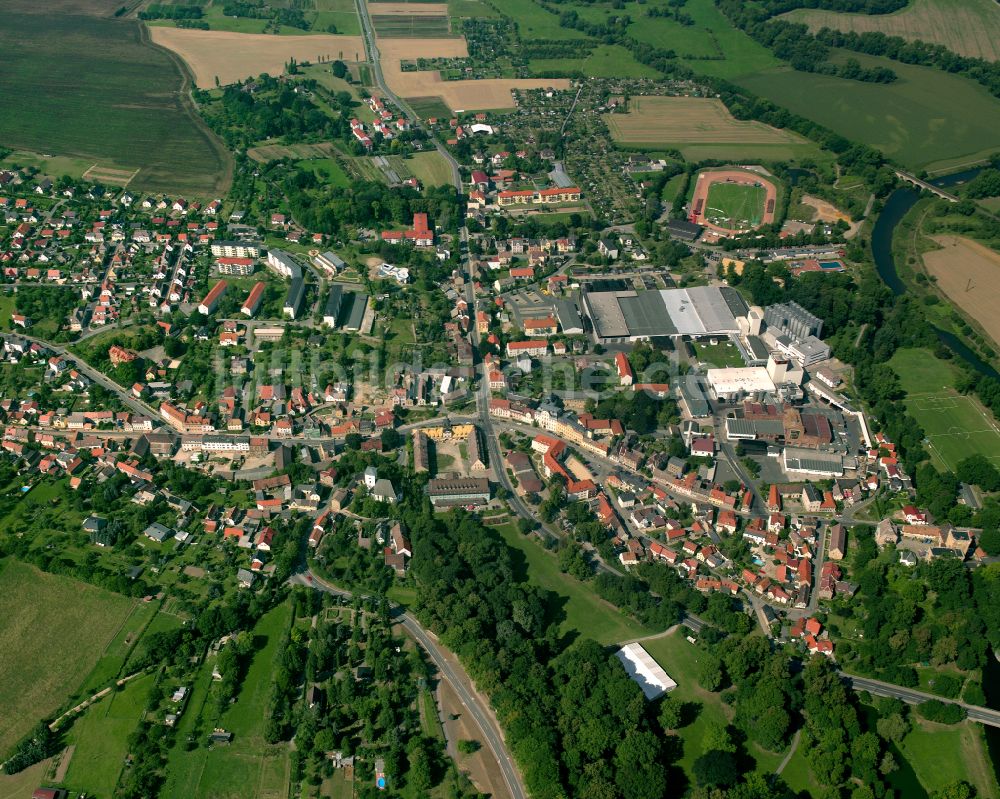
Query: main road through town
451	672
371	48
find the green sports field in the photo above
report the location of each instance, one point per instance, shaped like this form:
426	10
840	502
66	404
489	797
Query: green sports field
955	425
735	206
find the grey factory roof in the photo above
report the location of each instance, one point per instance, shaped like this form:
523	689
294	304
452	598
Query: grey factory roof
695	311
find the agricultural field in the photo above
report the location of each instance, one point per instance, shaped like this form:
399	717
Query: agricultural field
969	274
53	631
407	26
711	46
226	57
585	613
535	22
604	61
925	117
120	103
321	16
955	425
270	152
466	95
967	27
429	107
469	9
702	128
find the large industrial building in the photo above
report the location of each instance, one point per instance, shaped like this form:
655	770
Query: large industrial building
793	319
620	314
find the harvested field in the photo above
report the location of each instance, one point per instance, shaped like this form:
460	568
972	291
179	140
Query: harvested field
108	176
967	27
234	56
415	26
456	94
969	274
732	200
692	124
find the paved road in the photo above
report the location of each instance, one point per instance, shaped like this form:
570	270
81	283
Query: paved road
452	672
371	48
100	378
741	472
981	714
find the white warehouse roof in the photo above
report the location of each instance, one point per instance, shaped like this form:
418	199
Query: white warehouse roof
745	379
650	676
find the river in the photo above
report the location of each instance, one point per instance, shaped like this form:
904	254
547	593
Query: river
896	207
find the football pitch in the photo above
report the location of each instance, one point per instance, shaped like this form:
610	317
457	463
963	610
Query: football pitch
955	427
735	206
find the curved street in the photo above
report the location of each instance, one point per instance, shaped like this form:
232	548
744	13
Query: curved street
451	671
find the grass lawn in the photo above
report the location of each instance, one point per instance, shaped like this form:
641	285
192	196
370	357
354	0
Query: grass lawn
100	739
7	308
328	170
710	35
109	667
118	101
48	165
248	768
798	774
955	425
534	22
679	658
585	612
925	117
429	168
429	716
343	14
604	61
720	356
735	205
942	754
53	631
400	331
